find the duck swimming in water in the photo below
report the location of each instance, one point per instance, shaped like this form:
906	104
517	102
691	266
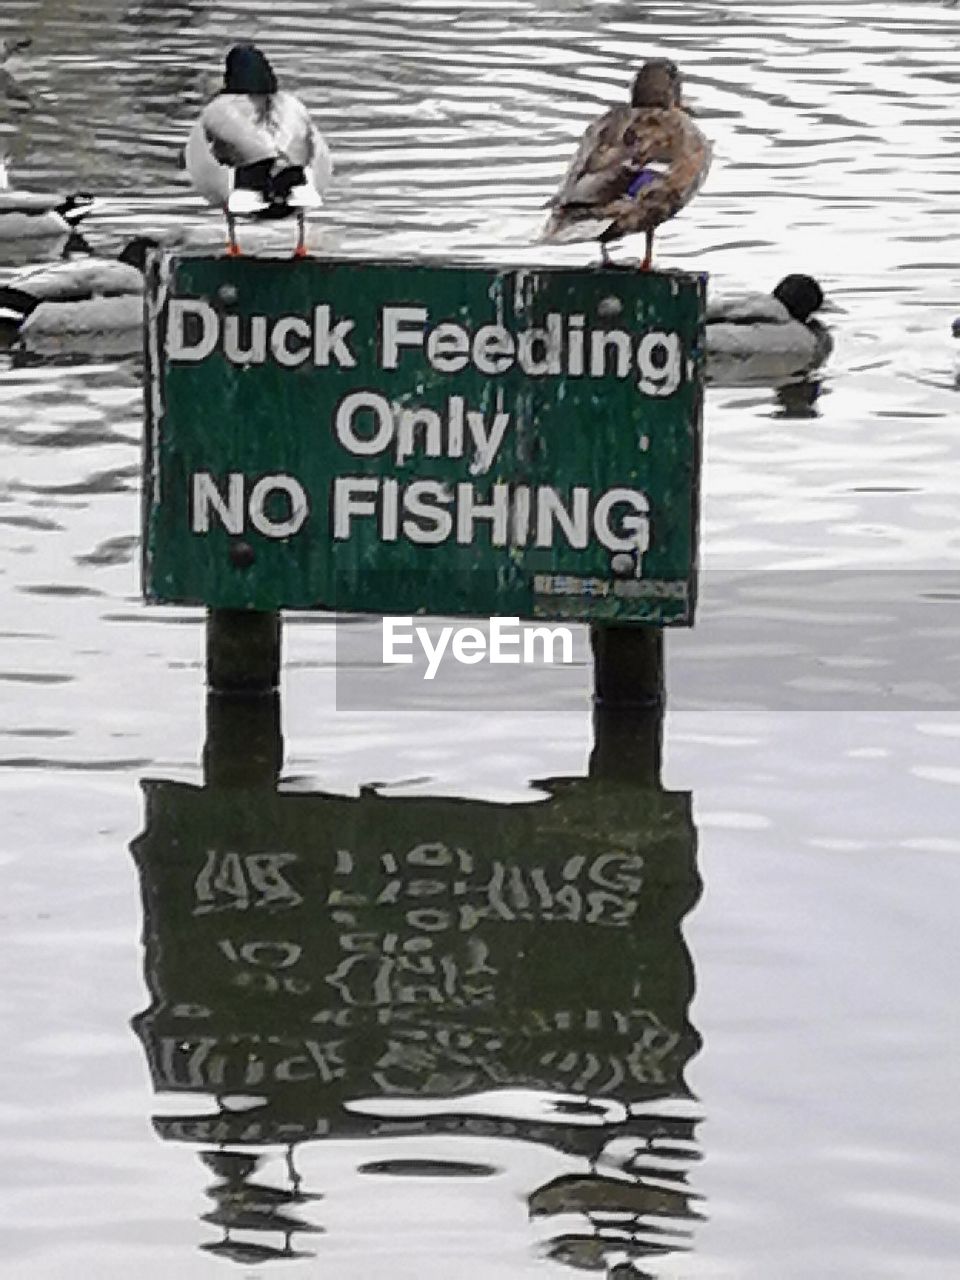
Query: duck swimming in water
636	166
32	215
764	337
81	294
254	151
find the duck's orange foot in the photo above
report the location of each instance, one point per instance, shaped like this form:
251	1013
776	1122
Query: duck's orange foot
233	251
300	252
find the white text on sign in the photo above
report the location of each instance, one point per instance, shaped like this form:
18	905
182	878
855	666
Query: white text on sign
564	346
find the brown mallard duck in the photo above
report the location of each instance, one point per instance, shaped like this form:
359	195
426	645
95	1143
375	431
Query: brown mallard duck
636	166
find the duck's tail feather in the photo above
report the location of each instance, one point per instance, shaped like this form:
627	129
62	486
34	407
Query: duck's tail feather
243	200
292	187
304	196
254	176
263	186
15	306
271	189
560	230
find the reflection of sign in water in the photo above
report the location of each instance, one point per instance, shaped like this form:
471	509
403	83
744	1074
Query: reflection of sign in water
520	442
310	950
417	946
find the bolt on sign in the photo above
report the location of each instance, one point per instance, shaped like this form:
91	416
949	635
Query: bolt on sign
423	438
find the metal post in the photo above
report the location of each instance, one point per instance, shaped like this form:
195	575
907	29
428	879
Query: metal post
628	666
627	745
244	743
243	651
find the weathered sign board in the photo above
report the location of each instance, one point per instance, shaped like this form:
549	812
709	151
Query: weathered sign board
423	438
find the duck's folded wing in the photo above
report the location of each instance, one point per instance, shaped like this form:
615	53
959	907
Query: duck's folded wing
238	130
75	281
321	161
621	152
212	179
297	139
746	309
603	165
761	353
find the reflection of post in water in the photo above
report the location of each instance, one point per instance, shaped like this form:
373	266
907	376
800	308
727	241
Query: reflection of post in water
384	966
244	1205
634	1200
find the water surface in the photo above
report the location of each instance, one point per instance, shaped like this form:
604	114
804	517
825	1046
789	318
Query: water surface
459	991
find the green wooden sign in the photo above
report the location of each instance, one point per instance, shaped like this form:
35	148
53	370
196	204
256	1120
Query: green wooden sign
423	438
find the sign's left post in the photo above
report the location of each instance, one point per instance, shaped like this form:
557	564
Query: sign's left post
243	646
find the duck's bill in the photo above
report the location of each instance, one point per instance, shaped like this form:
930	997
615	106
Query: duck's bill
828	305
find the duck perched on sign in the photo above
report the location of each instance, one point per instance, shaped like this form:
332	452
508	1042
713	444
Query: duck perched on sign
254	151
636	166
767	336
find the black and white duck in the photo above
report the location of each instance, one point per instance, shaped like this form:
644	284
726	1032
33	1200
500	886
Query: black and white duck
36	215
254	151
636	166
768	336
80	295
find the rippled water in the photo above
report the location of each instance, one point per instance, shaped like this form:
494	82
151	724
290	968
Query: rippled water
504	1010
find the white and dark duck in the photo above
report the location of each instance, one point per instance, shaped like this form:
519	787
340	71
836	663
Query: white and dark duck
82	294
775	333
636	166
35	215
254	151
